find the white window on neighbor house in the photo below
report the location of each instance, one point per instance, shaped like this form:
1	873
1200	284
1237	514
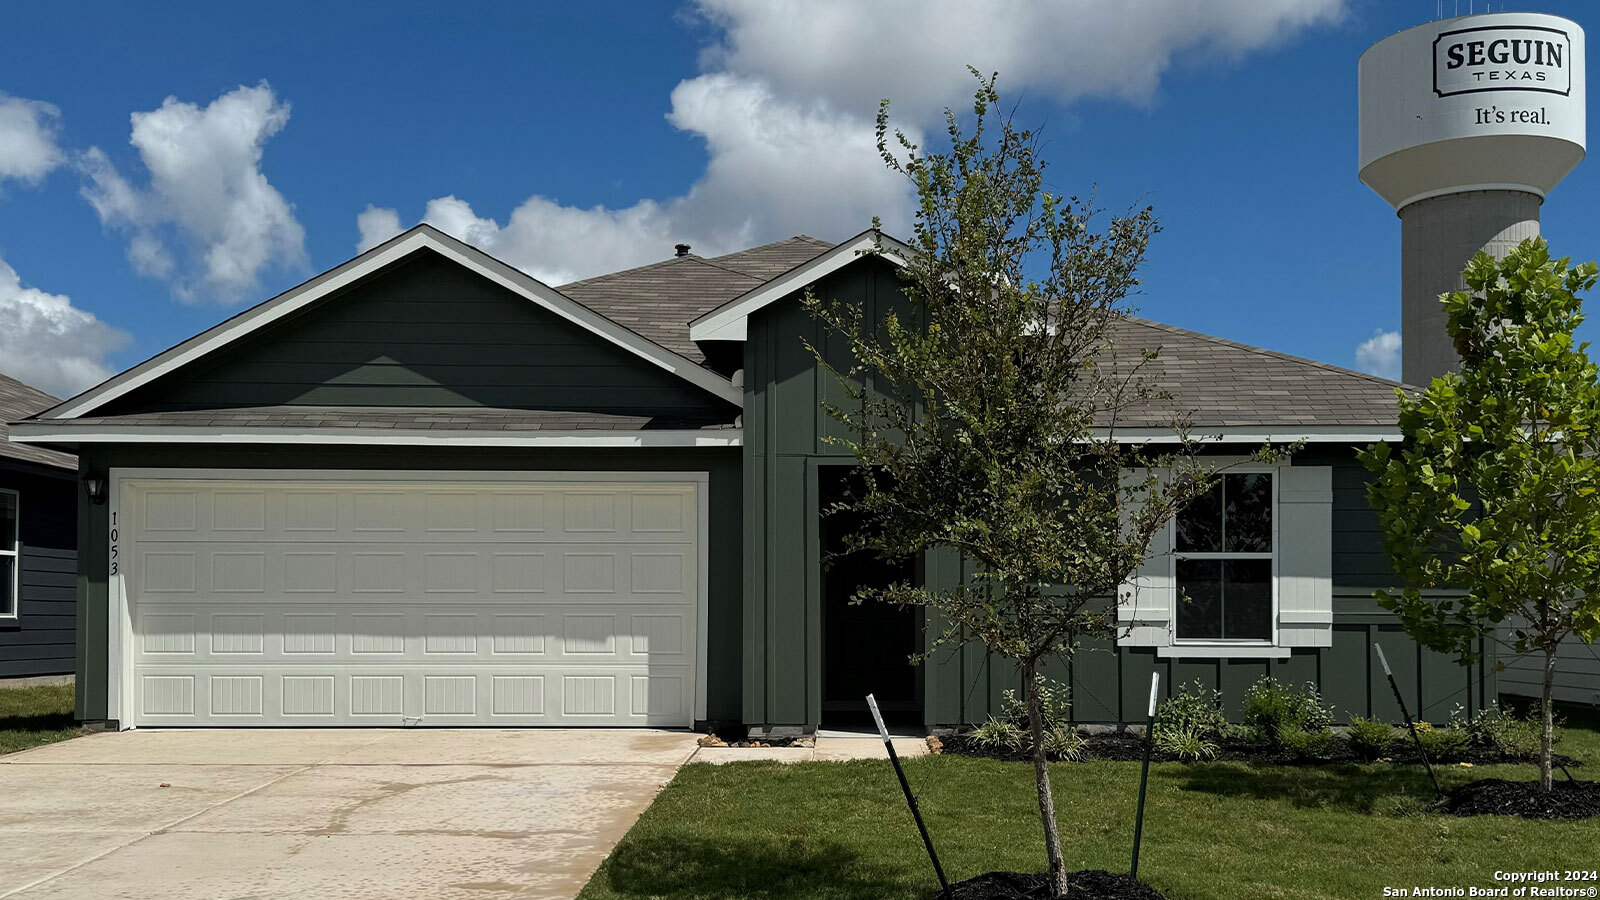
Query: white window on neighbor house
1224	559
10	561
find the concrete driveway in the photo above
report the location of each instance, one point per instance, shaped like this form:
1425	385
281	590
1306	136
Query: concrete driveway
325	814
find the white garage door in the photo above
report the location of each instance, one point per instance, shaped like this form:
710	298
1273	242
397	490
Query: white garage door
389	603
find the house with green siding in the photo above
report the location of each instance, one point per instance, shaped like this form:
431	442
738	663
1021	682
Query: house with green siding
424	488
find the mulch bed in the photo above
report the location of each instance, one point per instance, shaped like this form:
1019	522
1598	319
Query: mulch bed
1089	884
1122	746
1498	797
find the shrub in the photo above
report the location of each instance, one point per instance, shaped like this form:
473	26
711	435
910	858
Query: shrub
1010	729
1054	698
999	734
1273	710
1063	742
1185	740
1370	738
1193	710
1319	744
1442	744
1493	730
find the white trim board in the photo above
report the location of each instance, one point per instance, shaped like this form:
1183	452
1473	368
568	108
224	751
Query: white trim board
120	701
421	237
730	321
45	432
1244	434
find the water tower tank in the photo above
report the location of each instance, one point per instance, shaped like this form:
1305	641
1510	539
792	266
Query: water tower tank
1466	124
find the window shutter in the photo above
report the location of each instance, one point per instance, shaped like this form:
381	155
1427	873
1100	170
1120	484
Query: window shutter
1145	602
1305	556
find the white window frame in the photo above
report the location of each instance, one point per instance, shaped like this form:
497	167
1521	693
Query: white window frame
1177	587
16	556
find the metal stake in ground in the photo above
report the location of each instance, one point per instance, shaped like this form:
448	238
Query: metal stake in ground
1144	773
1411	726
911	800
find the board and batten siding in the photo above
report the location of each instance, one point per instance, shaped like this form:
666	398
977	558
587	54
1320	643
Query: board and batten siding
430	333
1328	608
723	631
41	640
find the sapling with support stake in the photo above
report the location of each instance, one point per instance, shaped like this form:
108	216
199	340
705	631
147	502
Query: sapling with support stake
1144	772
911	799
1410	725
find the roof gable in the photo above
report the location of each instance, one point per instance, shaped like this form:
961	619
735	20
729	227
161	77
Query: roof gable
730	321
330	283
426	334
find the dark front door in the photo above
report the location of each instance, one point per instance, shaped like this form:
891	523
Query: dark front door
867	647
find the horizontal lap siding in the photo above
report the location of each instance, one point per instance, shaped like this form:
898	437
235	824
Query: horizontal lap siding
1577	672
428	333
42	639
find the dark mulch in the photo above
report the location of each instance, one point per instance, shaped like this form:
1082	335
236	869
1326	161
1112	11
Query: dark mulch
1498	797
1122	746
1089	884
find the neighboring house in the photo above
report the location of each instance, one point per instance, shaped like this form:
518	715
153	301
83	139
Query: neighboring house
424	487
38	546
1577	672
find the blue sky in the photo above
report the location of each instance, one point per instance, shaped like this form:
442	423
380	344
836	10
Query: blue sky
723	123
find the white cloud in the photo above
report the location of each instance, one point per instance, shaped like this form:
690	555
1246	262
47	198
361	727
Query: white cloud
1380	355
786	112
28	130
376	225
209	221
776	168
916	51
47	342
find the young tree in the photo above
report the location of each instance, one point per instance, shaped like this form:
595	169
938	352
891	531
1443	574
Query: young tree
1495	490
990	426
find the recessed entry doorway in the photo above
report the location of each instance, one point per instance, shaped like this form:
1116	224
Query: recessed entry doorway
866	648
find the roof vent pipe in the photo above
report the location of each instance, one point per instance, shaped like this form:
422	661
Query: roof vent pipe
683	249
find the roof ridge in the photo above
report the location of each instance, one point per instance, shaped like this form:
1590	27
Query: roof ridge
1275	354
716	265
671	260
788	240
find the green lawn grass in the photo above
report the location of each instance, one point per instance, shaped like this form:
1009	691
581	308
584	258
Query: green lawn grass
1217	830
30	716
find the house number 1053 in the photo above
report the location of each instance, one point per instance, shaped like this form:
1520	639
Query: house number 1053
114	549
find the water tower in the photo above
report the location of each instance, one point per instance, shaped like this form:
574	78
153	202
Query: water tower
1466	125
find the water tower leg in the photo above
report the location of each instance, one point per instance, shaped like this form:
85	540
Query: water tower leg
1437	237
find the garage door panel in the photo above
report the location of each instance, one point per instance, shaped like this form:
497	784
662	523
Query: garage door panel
327	604
652	573
366	634
364	512
408	696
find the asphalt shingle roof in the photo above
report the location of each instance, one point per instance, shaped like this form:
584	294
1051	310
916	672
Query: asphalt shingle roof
660	299
1217	382
768	261
18	401
1222	383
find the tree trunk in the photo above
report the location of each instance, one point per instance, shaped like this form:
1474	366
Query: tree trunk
1041	778
1547	739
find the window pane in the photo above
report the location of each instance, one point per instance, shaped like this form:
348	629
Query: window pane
1199	598
1247	598
1200	523
8	521
8	585
1249	512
